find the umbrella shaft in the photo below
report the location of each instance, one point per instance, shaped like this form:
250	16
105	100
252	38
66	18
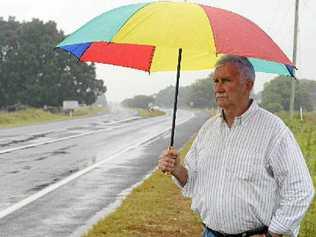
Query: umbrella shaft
176	98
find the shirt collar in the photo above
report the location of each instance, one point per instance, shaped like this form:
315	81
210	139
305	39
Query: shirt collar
246	115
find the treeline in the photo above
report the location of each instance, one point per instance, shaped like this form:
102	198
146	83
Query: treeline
34	73
277	93
197	95
275	97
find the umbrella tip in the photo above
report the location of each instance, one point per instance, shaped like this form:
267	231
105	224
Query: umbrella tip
291	69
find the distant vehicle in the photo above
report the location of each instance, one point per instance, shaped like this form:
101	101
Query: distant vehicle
153	108
69	106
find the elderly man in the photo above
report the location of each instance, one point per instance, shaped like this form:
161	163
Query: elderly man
245	172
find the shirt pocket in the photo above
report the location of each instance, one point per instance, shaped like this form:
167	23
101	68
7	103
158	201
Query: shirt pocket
204	160
246	166
209	162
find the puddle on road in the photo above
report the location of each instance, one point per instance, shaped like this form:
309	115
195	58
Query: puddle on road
39	187
65	174
42	158
67	134
14	172
94	124
62	151
33	137
59	152
76	128
55	180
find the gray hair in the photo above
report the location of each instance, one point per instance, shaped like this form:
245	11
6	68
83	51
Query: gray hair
244	65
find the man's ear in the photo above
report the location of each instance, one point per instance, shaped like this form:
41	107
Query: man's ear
249	84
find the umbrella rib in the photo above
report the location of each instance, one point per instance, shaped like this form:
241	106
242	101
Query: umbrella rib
151	59
83	52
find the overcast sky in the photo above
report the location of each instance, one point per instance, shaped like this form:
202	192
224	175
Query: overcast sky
276	17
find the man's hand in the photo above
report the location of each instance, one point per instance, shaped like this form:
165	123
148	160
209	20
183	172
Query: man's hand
169	160
170	163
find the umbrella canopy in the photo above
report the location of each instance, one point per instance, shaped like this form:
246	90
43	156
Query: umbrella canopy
169	36
147	36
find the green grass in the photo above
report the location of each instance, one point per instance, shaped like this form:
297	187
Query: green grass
305	134
36	116
154	209
88	111
26	117
146	113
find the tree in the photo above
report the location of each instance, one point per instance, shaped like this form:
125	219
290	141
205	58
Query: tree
33	72
8	73
276	94
198	95
165	97
201	94
139	101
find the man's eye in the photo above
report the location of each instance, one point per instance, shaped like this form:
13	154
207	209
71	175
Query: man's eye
225	80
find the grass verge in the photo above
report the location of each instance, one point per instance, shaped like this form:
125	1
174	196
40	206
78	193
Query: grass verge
154	209
305	134
147	114
35	116
89	111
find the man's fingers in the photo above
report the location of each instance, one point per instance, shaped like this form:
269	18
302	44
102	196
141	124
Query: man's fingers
167	165
168	157
172	162
163	165
167	161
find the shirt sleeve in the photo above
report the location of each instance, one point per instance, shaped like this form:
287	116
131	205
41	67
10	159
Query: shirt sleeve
190	163
295	185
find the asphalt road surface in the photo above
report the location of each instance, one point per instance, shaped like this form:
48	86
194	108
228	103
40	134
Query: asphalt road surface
58	179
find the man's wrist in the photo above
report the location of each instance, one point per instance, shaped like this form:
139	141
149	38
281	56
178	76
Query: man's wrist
180	173
176	171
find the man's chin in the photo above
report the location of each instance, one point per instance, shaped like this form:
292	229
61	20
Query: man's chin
221	106
220	103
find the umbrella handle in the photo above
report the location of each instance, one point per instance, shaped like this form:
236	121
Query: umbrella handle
167	172
176	99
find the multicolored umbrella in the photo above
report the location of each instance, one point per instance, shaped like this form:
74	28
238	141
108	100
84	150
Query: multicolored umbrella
169	36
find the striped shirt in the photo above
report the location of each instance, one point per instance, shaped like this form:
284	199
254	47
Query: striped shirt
249	175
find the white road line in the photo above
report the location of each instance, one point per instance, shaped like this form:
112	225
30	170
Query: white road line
62	139
50	141
53	187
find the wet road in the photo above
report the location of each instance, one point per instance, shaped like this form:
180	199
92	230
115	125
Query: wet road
58	179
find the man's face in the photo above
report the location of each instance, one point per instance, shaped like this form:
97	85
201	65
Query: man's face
231	90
